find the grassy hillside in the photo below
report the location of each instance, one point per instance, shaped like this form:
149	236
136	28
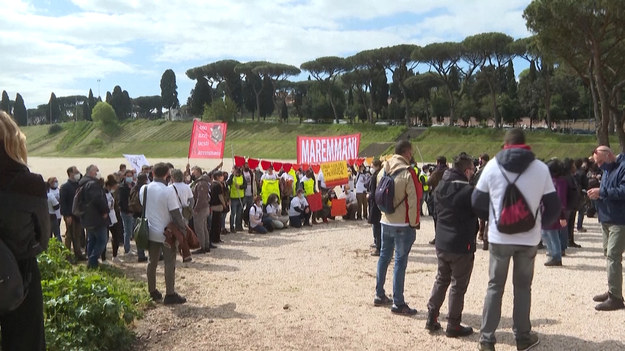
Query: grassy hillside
171	139
271	140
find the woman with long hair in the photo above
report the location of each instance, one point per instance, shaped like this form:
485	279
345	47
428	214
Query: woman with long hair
25	230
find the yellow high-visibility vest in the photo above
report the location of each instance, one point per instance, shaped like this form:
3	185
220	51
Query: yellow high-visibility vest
270	186
235	189
294	175
309	187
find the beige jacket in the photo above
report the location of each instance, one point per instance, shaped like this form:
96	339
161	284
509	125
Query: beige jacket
408	193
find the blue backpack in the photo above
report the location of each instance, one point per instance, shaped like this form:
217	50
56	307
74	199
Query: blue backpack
385	192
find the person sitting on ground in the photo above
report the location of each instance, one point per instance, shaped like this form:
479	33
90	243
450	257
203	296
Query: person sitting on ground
274	213
351	202
256	217
299	212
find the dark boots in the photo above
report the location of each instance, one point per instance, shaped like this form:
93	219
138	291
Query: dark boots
432	323
612	303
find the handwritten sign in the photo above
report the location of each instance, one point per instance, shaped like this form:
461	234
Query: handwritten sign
137	161
335	173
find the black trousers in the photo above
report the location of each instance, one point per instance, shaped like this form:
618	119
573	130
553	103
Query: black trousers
215	233
22	329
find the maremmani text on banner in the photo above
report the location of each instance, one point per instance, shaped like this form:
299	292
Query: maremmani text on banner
335	173
316	150
208	140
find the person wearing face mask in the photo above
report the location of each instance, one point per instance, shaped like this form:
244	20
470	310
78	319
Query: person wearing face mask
54	207
95	214
73	226
111	187
256	217
201	208
374	212
299	212
250	192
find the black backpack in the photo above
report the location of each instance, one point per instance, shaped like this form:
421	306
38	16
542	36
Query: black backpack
515	215
385	192
573	193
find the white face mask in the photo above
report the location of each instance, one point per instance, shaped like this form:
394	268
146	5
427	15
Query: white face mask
55	185
77	176
98	175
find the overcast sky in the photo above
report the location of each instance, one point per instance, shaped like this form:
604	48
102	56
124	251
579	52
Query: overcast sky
70	46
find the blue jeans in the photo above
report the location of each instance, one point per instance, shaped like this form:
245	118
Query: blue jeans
580	218
96	244
129	224
551	239
400	240
236	214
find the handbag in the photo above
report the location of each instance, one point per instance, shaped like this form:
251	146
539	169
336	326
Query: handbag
141	228
12	291
192	239
187	212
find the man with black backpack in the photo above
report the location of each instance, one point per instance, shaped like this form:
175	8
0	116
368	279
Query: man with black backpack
397	195
90	200
509	195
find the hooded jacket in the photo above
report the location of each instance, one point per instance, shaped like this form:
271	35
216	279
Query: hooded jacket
534	183
201	194
611	202
408	193
95	204
456	223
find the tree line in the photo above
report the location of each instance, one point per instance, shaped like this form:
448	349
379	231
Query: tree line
576	72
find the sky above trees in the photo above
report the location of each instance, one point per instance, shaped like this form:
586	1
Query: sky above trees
69	47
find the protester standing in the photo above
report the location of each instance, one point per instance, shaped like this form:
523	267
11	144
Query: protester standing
201	208
73	228
95	211
374	212
515	161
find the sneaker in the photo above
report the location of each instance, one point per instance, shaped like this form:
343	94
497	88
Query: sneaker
601	297
199	251
486	346
372	246
432	242
581	230
376	253
403	310
454	331
174	299
187	259
156	295
117	260
527	344
575	245
611	304
382	301
553	263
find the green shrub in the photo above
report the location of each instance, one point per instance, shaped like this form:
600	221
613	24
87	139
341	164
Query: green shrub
55	128
87	309
106	119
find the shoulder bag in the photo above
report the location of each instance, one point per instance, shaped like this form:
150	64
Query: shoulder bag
187	212
141	231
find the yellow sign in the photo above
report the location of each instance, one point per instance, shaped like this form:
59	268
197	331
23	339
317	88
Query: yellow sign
335	173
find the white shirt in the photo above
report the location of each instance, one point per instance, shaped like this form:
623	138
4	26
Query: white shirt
321	179
350	197
53	200
256	216
286	176
361	182
248	180
296	202
185	194
533	183
267	176
111	202
161	199
274	210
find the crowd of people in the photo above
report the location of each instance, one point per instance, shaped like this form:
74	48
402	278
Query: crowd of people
466	202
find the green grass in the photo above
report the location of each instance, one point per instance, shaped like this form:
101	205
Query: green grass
171	139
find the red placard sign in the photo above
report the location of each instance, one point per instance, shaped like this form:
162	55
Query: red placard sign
207	140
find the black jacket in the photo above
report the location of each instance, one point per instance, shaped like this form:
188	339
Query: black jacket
123	195
95	204
24	219
456	223
374	212
66	193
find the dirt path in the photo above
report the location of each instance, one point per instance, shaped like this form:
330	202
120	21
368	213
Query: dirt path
313	289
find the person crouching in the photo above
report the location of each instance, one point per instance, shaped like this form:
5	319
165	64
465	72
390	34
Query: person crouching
455	245
299	212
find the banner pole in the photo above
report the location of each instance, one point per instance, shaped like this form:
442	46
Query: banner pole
419	150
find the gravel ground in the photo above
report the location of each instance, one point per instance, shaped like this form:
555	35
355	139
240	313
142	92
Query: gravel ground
313	289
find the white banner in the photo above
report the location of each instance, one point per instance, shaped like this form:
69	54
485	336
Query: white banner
137	161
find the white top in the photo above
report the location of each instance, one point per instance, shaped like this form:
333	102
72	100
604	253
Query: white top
274	210
286	176
185	194
361	182
533	183
350	197
296	202
321	179
161	200
248	180
272	176
256	216
111	202
53	200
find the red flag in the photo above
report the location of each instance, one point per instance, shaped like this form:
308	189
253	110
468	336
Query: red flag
360	161
239	161
287	167
265	165
297	167
207	140
252	163
316	168
277	166
305	167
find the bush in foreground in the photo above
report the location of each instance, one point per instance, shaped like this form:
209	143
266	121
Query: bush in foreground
87	309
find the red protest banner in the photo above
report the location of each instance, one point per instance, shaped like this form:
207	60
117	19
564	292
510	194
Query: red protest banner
316	150
207	140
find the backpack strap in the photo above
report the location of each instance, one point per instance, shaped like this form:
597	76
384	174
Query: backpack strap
504	174
145	201
394	175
